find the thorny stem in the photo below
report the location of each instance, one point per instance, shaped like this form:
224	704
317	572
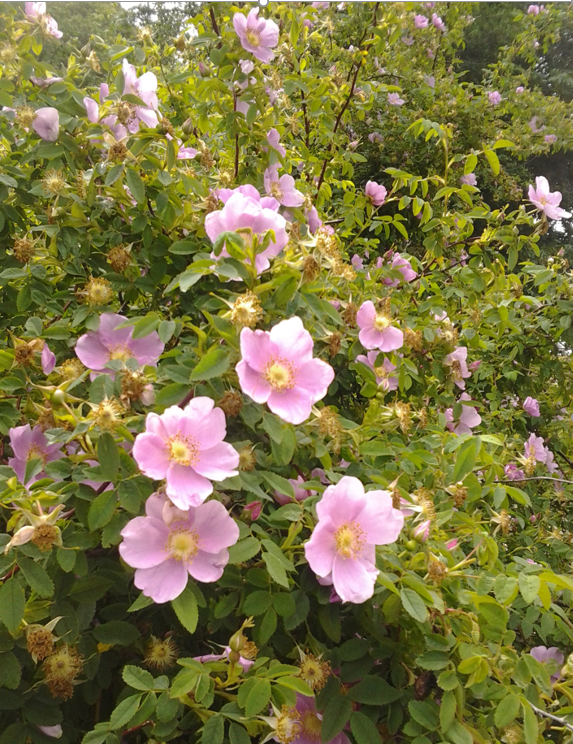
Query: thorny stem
545	714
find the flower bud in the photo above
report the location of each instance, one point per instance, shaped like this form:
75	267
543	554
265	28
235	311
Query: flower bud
422	531
187	126
237	642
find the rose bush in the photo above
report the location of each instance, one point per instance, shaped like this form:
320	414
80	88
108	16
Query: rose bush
286	444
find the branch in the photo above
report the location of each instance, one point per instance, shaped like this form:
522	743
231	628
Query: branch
544	713
214	22
537	477
137	728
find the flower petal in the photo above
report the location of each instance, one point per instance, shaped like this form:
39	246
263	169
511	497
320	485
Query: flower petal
162	583
144	541
321	548
208	567
216	529
218	462
353	579
150	453
187	488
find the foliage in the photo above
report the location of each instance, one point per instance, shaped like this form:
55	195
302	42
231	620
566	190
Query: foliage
481	571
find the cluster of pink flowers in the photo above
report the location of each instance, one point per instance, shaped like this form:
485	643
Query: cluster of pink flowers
257	35
547	201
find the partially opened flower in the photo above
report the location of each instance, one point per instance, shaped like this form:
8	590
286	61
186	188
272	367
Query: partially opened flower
37	12
31	444
257	35
469	179
531	406
376	329
376	193
384	377
144	88
274	138
96	348
56	732
343	544
547	201
46	123
314	221
277	368
512	472
246	664
404	267
169	545
283	188
92	109
300	494
457	360
552	656
420	21
437	22
186	447
48	360
468	420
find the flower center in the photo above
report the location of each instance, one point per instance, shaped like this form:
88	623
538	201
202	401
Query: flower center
381	322
122	352
276	191
311	725
35	453
182	543
350	540
183	450
381	372
280	374
253	38
288	725
457	371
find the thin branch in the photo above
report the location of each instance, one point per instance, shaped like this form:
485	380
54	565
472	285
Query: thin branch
214	22
544	713
137	728
236	156
567	460
537	477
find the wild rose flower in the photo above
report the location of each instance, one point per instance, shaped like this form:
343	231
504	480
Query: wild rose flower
144	88
430	80
469	418
545	655
469	179
533	10
376	331
250	216
283	188
169	545
274	138
420	21
547	201
96	348
300	724
404	267
300	494
551	139
186	447
519	89
512	472
494	97
56	732
422	531
277	368
437	22
384	377
31	444
257	35
313	220
457	360
253	510
376	193
531	406
395	100
407	40
247	66
343	544
452	544
48	360
534	448
37	12
246	664
375	137
46	123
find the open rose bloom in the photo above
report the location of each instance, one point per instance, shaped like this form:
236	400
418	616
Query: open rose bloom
168	545
257	35
343	544
547	201
31	444
383	371
277	368
376	329
144	88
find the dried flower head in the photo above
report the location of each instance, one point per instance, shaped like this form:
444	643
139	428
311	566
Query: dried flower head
23	250
311	269
460	494
46	418
344	270
449	334
117	152
247	459
24	355
40	640
133	385
512	735
231	403
334	344
119	258
161	654
98	291
61	669
107	415
423	418
25	116
425	499
46	536
404	413
349	315
327	243
54	181
247	310
437	570
414	340
93	61
71	369
314	671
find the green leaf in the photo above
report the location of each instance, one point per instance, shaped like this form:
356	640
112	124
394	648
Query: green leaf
280	484
166	330
108	456
125	711
140	603
244	550
276	570
184	682
214	730
458	734
433	660
363	730
447	710
10	671
374	691
529	724
185	606
146	325
113	174
529	586
267	627
116	633
426	713
493	161
296	684
12	604
506	711
135	185
37	577
448	680
238	734
466	459
172	394
139	679
414	605
258	698
257	603
101	510
335	717
183	247
213	364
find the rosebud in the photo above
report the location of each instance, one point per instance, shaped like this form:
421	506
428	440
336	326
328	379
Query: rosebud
187	126
237	642
253	510
422	532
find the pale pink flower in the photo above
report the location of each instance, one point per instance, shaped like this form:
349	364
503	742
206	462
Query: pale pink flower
92	109
376	331
533	10
300	494
343	544
37	12
301	723
278	368
420	21
552	655
457	360
551	139
534	448
474	365
375	137
494	97
31	444
320	6
512	472
408	41
313	220
48	360
96	348
46	123
395	100
246	664
254	509
247	66
469	179
430	80
404	267
376	193
186	447
422	531
274	138
547	201
520	89
384	377
531	406
283	188
34	10
252	217
144	88
257	35
168	545
469	418
437	22
533	125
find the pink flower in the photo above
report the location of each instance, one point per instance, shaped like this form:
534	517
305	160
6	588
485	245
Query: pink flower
96	348
532	10
457	360
357	262
420	21
395	100
254	509
283	188
547	201
519	89
512	472
343	544
274	138
186	448
314	221
452	544
257	35
37	12
92	109
31	444
376	193
300	494
533	125
48	360
474	365
168	545
278	368
384	377
34	10
469	418
376	331
404	267
531	406
437	22
550	139
144	88
320	6
494	97
534	448
430	80
55	732
553	654
407	40
46	123
251	216
469	179
246	66
375	137
246	664
422	531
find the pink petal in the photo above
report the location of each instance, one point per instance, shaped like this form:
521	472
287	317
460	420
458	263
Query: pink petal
366	315
315	376
144	542
216	529
218	462
393	339
292	340
150	453
321	548
253	383
148	349
256	348
379	521
21	439
164	582
293	406
91	352
208	567
48	360
353	579
187	488
343	502
154	506
370	338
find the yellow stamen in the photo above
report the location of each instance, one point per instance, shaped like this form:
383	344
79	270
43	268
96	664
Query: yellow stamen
350	539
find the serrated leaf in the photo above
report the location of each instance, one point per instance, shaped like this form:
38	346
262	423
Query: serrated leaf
276	570
363	729
125	711
529	586
101	510
214	730
258	698
12	603
116	632
108	456
244	550
414	605
374	691
238	734
10	671
465	459
146	325
135	185
37	577
213	364
185	606
506	711
139	679
335	717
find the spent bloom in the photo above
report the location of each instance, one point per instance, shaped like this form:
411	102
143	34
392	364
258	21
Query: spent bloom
186	447
31	444
547	201
96	348
376	193
168	545
395	100
512	472
257	35
384	377
277	368
300	494
469	179
404	267
420	21
46	123
343	544
457	360
283	188
552	654
494	97
531	406
376	329
469	418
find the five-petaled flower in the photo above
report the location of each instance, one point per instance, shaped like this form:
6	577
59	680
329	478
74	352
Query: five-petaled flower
257	35
547	201
376	329
31	444
283	188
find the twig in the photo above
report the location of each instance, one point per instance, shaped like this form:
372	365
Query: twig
537	477
214	22
544	713
137	728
